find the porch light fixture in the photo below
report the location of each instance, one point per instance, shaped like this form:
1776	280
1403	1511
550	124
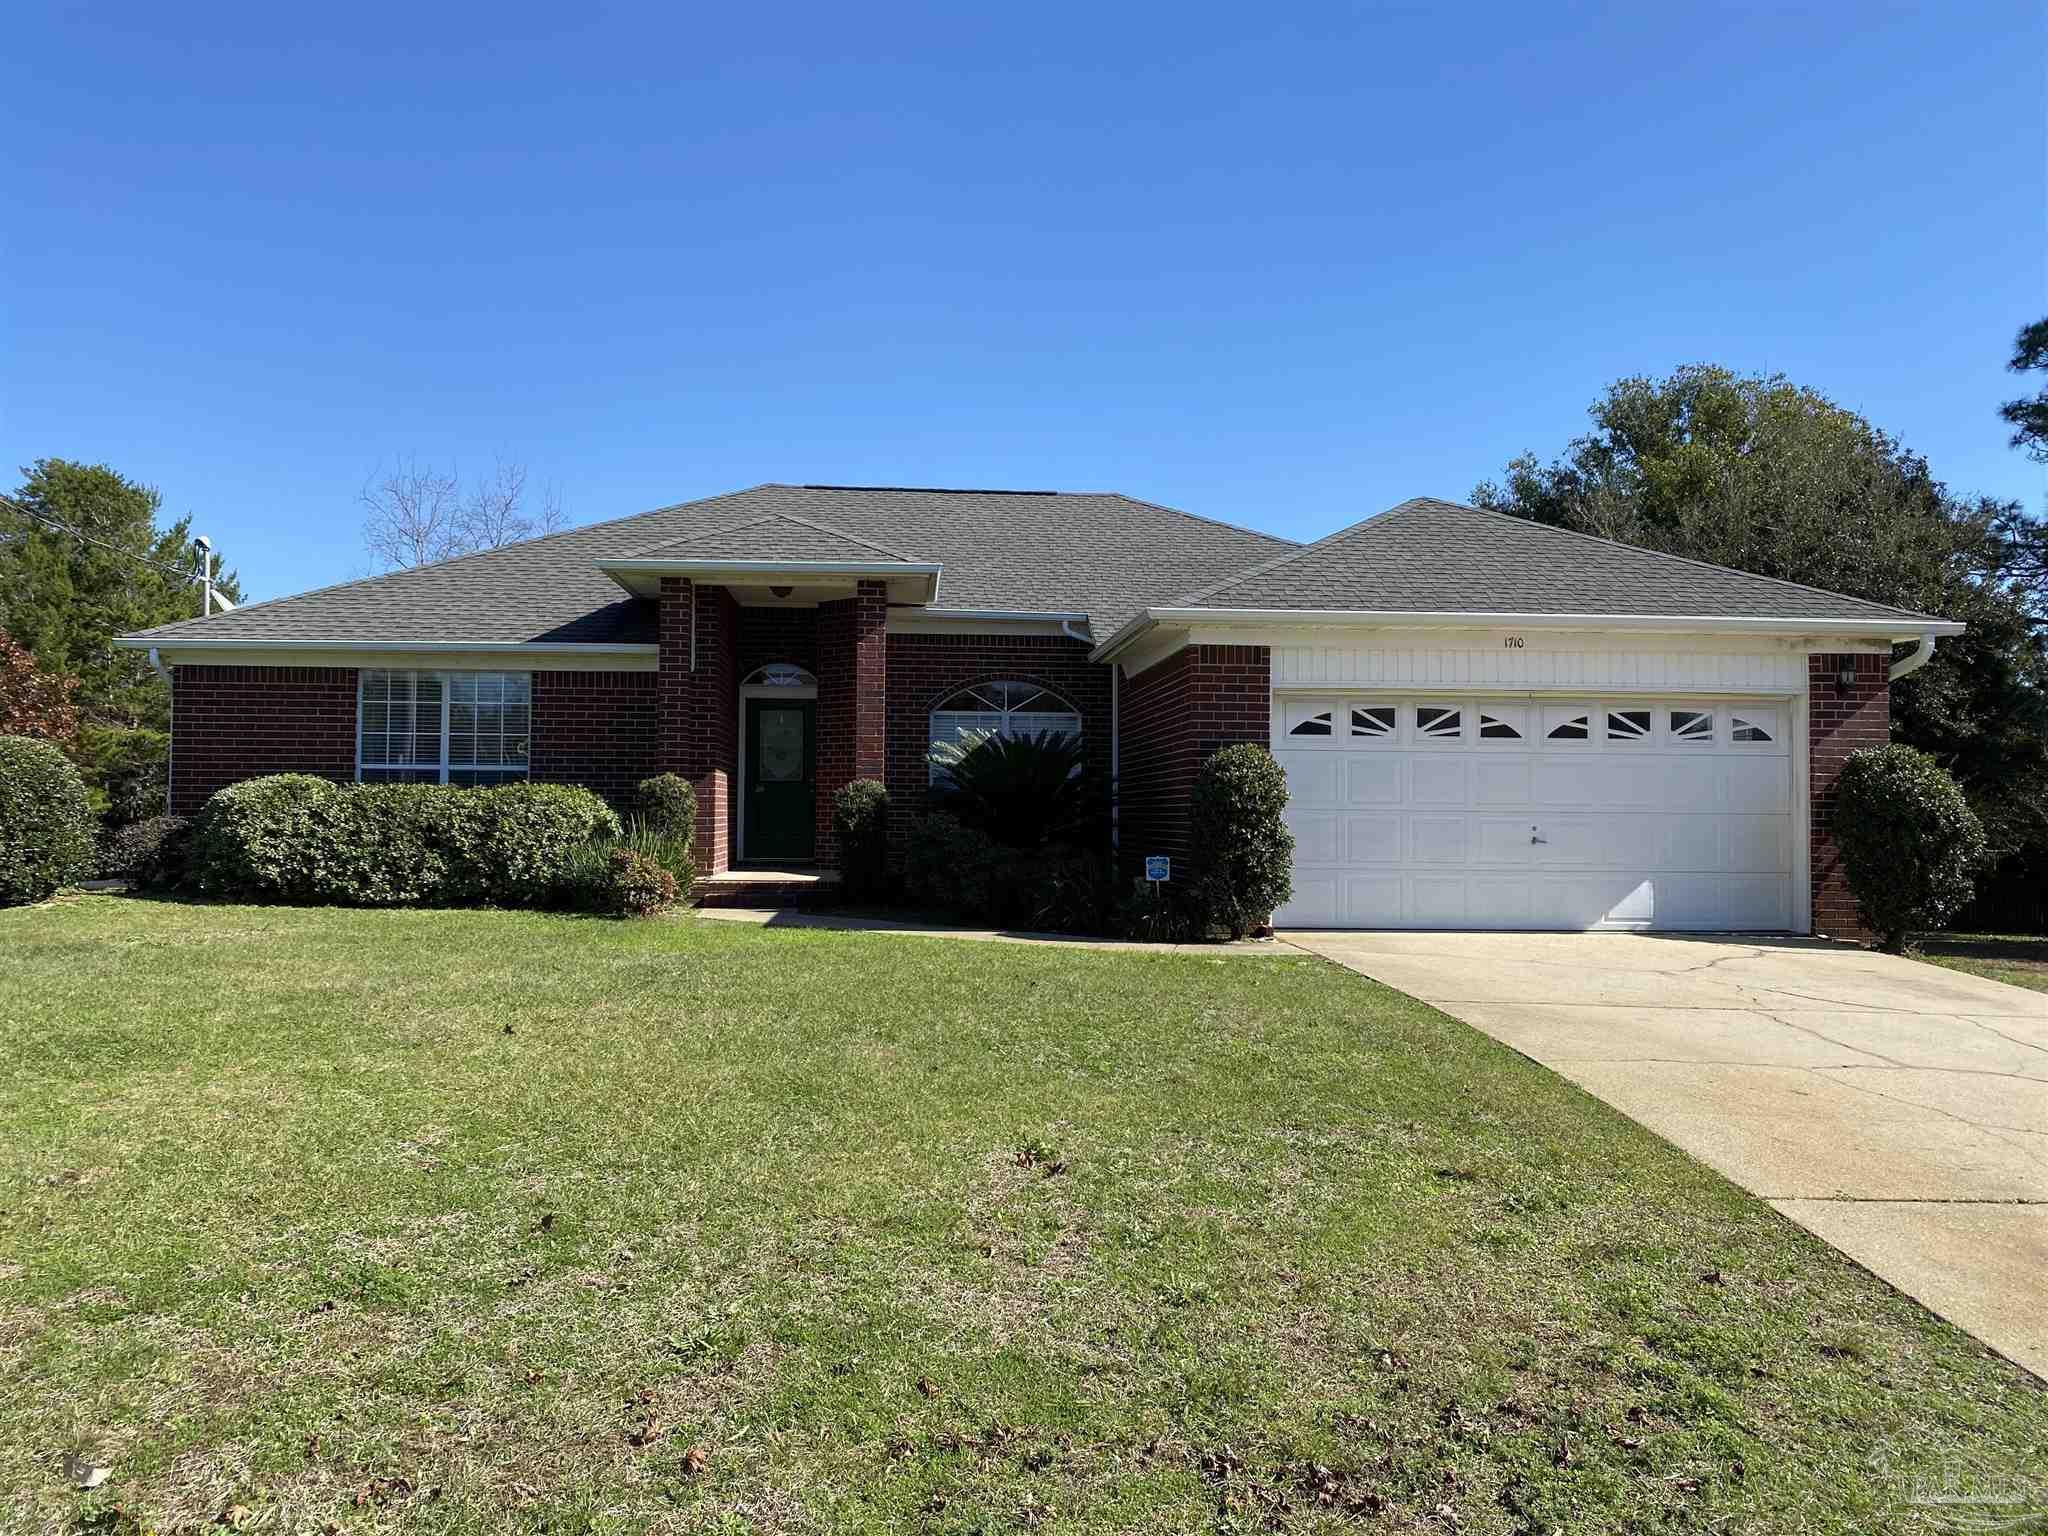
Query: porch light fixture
1845	677
780	591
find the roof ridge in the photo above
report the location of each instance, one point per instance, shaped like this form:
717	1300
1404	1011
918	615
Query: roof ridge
788	517
1193	517
435	565
1705	565
1295	553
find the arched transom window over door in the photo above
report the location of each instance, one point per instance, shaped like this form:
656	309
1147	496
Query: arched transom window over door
997	709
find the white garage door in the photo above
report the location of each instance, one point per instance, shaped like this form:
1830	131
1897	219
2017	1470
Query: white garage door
1537	813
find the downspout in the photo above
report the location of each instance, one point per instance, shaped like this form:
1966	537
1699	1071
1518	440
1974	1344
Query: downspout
1115	672
171	748
1913	660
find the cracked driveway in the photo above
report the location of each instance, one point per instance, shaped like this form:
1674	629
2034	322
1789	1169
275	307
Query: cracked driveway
1896	1109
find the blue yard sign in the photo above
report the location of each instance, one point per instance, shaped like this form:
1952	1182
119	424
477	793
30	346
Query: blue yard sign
1158	867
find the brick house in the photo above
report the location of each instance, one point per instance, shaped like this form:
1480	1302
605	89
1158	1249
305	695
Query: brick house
1485	722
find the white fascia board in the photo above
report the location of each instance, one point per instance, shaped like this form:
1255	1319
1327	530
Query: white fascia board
1900	630
453	647
911	619
768	567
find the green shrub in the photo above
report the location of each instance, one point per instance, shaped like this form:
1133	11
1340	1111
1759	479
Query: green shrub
46	821
294	838
1909	841
961	872
1244	854
151	854
126	771
670	852
264	838
860	821
1023	791
668	804
637	887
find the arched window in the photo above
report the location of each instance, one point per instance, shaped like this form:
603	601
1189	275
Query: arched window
779	674
998	709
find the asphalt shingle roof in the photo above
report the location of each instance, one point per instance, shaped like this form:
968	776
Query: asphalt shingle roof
1428	556
1105	555
1100	554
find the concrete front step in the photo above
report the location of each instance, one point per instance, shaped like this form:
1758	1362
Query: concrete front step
765	888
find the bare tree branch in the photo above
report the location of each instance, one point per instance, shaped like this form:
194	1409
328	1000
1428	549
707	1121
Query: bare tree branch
415	516
410	516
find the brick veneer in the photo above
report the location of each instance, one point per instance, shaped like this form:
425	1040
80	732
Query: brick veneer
853	694
924	669
598	729
695	691
234	723
1838	723
777	634
1175	714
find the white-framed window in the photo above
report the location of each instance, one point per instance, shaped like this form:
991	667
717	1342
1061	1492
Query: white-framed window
779	674
1690	727
996	709
1310	717
1501	722
442	727
1753	727
1629	724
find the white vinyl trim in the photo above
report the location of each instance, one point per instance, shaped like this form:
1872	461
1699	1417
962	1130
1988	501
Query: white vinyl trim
1898	630
452	647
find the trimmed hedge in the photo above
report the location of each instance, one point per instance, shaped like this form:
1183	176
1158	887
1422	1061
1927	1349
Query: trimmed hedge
298	839
46	822
668	806
1244	854
1909	841
860	820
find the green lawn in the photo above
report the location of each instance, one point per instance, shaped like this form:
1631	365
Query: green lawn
2020	960
471	1221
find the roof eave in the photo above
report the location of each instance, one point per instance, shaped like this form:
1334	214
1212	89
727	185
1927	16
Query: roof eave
1899	628
148	642
633	574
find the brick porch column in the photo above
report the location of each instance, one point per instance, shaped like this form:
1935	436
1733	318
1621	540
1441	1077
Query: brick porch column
1837	723
697	696
853	698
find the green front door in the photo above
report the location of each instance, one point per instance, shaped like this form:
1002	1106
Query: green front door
780	796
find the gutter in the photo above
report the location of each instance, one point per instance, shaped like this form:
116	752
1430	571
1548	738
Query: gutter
154	643
1359	618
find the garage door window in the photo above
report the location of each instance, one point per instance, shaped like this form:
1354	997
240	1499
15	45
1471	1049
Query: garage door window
1628	725
1753	730
1506	725
1375	722
1567	725
1691	728
1433	722
1310	719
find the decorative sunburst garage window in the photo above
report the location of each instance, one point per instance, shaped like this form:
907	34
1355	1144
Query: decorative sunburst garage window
1376	721
1692	727
1434	722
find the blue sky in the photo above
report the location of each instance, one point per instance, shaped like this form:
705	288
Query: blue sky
1275	265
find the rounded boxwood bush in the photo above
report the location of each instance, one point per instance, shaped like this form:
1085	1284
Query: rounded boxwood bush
46	821
1909	841
1244	854
668	807
860	821
268	839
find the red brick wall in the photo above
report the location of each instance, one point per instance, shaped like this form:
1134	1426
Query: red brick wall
1839	723
925	669
696	705
853	692
1175	715
597	729
777	634
235	723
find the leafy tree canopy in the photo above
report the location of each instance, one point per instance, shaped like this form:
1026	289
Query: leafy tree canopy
83	560
1761	474
2029	417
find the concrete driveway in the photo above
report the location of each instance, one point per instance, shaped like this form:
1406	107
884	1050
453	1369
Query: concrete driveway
1896	1109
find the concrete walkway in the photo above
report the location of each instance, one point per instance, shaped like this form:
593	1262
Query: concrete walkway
1895	1109
771	917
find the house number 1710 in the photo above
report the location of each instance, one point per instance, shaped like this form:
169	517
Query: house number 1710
1512	643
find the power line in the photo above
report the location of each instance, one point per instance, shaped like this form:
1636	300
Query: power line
48	521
